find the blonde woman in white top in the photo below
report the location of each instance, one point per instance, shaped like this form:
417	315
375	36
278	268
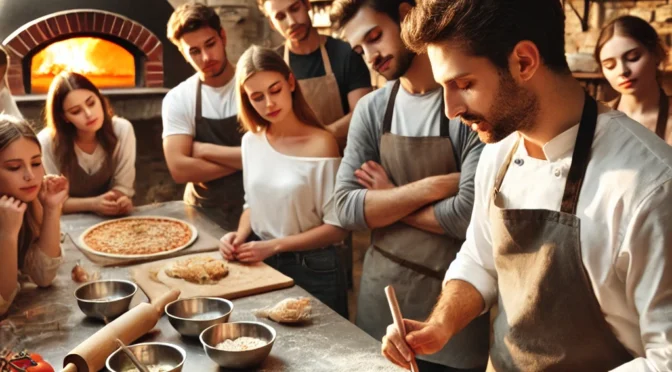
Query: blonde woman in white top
289	165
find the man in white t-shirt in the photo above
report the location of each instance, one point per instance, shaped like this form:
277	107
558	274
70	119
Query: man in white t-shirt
201	135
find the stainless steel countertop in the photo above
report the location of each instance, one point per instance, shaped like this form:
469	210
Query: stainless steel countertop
327	343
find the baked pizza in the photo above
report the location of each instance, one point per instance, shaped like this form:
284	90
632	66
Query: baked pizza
135	236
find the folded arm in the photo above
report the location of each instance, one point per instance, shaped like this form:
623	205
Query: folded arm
184	167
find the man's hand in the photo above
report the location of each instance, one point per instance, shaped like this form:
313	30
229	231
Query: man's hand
199	149
373	176
421	338
443	186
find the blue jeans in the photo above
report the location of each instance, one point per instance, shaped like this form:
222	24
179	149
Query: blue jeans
319	271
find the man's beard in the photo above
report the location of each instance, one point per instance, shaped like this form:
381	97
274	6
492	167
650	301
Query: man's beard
404	61
514	109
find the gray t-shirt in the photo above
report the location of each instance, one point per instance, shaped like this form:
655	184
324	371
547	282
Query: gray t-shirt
414	115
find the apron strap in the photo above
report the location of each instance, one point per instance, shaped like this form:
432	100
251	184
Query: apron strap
445	122
580	156
325	57
199	110
505	166
663	112
389	111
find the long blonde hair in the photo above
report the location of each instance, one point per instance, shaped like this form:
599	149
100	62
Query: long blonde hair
258	59
11	130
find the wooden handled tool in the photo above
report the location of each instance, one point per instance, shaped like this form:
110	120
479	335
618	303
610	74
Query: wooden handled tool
91	354
399	320
141	367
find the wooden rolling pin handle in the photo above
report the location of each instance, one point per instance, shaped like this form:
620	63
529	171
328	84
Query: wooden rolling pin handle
70	368
399	320
161	302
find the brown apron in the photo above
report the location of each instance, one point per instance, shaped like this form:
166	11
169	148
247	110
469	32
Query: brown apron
322	92
549	318
412	260
663	113
84	185
221	199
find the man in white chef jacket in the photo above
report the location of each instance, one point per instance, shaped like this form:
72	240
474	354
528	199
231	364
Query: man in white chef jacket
571	232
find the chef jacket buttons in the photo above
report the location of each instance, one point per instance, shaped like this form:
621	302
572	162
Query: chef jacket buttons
518	162
557	172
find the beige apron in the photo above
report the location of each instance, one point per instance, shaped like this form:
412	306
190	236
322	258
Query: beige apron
84	185
412	260
221	199
549	318
322	92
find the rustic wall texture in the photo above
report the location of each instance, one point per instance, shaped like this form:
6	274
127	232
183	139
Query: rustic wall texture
657	12
244	25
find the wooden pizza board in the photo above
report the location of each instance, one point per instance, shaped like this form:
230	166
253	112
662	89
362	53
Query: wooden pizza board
242	280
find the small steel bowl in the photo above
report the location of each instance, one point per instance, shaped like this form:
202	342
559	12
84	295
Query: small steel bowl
230	331
105	299
191	316
150	353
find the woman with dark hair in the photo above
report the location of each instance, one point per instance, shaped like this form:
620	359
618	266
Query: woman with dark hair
30	211
632	57
92	148
289	169
7	104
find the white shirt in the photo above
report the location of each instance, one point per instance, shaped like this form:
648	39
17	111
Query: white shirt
286	195
417	115
124	156
179	105
625	208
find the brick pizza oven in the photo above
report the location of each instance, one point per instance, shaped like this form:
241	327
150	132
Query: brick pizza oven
118	44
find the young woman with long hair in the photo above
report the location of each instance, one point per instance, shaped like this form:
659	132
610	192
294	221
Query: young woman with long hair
30	211
92	148
289	167
632	56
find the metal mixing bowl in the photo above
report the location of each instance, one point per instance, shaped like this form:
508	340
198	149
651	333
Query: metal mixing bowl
191	316
105	299
150	353
231	331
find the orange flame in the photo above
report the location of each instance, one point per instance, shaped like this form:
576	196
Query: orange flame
106	64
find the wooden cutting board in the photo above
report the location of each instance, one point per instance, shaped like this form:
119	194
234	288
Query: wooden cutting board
242	280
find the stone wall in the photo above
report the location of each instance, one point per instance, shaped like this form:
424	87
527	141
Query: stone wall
244	25
578	40
581	34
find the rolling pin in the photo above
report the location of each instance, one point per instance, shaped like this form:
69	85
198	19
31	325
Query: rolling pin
90	355
399	320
